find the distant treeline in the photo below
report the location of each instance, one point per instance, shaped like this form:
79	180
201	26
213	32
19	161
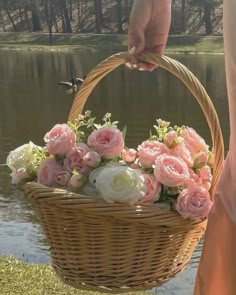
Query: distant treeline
103	16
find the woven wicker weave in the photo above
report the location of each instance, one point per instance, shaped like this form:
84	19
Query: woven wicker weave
118	248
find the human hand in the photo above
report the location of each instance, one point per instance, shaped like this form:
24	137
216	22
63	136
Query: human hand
148	29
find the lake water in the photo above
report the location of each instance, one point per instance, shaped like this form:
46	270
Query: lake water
31	103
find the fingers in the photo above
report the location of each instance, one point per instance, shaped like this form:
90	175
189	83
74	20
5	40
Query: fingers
139	17
148	29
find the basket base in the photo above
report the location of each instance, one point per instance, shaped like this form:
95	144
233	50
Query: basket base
148	285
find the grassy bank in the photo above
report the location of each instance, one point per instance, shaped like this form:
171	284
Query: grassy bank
40	41
19	278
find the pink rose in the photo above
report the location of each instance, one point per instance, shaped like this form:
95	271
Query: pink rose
62	177
74	159
153	191
134	165
148	152
22	174
82	148
206	184
194	202
171	139
205	176
47	172
108	142
205	173
171	171
181	151
60	140
129	155
76	181
193	180
194	142
200	159
92	159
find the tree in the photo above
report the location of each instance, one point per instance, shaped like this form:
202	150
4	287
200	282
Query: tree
65	16
6	8
98	15
119	16
36	26
48	8
208	7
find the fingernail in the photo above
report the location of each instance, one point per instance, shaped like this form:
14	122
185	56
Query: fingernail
128	64
134	66
132	50
141	69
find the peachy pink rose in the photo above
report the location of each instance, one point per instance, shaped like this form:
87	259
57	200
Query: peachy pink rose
129	155
171	139
108	142
170	170
193	180
200	159
62	177
74	159
76	181
153	191
148	152
194	203
194	142
60	140
205	173
47	172
181	151
92	159
22	174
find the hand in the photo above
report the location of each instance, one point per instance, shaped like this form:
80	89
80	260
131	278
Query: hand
148	29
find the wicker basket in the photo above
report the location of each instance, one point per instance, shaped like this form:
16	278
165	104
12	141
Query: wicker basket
118	248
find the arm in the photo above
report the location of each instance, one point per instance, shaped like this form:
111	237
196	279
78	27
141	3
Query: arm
149	27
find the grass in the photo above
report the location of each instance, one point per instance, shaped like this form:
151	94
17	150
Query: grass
19	278
181	44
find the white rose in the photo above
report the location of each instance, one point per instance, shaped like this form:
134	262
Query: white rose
21	157
120	184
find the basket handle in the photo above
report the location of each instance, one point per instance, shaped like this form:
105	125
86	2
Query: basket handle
181	72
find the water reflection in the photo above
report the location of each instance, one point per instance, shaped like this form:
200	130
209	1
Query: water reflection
31	103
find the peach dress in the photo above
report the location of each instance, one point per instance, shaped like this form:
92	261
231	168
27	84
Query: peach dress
217	269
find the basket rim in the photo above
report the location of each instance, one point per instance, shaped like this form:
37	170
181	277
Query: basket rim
62	199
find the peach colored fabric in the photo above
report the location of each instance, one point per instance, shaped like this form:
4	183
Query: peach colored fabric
217	269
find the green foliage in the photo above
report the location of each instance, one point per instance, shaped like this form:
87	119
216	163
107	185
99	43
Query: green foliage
85	124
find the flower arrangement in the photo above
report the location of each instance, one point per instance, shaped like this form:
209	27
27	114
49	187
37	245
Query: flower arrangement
173	166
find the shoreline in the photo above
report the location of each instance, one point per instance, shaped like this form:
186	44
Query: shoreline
182	44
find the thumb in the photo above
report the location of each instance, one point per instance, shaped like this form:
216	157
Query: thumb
136	39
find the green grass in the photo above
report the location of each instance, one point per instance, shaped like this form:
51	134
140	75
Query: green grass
19	278
182	44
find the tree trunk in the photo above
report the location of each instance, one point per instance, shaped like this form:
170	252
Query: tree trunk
68	28
36	26
48	8
207	19
183	16
20	15
98	15
119	16
71	10
26	18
